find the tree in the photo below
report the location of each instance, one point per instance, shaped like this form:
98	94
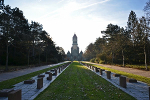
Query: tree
143	31
22	43
61	53
90	52
7	26
110	34
147	10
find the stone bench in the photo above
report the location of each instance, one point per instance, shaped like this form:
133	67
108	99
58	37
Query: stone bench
116	75
130	80
90	67
52	70
29	81
55	72
47	72
50	76
40	83
5	92
101	71
96	69
41	75
108	74
123	81
15	95
59	70
93	68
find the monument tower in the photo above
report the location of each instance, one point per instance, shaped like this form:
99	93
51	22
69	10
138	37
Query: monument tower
75	55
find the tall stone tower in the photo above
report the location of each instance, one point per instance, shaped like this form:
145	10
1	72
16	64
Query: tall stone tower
75	55
75	48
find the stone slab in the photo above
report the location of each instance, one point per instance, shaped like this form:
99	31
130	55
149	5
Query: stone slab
52	69
39	83
130	80
116	75
123	81
5	92
47	72
29	81
41	75
15	95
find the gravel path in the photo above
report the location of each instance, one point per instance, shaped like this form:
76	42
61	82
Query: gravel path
10	75
128	70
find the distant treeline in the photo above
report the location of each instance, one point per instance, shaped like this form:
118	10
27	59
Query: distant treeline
130	45
22	43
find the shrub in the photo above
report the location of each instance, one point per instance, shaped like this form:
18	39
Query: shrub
92	60
97	60
101	62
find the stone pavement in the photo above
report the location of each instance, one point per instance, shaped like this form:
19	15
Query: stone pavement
30	91
128	70
138	90
10	75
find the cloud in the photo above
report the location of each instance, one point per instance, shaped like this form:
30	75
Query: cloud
94	4
71	7
60	1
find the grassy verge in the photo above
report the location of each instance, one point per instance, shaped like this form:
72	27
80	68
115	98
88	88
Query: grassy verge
141	67
9	83
137	77
78	83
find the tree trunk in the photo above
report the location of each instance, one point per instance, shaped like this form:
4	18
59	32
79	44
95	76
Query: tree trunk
28	58
33	51
46	57
39	58
123	57
112	57
6	68
145	58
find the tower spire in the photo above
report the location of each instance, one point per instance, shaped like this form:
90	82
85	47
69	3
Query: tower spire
75	40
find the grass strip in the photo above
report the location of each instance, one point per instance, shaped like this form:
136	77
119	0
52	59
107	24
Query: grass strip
129	75
79	83
9	83
140	67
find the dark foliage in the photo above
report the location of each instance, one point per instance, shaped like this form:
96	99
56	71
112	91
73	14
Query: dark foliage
22	43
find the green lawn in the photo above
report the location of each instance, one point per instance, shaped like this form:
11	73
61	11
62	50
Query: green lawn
137	77
79	83
9	83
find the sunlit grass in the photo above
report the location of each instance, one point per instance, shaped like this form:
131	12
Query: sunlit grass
79	83
137	77
137	66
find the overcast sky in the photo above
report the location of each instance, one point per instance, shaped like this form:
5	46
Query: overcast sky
86	18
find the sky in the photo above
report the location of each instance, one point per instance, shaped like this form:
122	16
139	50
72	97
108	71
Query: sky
85	18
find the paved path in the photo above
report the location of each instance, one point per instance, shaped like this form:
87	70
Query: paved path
30	91
138	90
128	70
10	75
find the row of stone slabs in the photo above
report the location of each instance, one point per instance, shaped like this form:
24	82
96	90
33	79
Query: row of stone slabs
29	89
137	89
